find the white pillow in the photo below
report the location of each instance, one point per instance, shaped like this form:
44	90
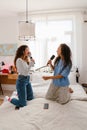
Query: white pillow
78	93
37	80
72	77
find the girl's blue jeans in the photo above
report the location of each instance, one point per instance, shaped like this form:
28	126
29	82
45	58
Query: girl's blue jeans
24	91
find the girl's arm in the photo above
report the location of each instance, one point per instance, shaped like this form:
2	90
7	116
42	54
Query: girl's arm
52	67
52	77
50	63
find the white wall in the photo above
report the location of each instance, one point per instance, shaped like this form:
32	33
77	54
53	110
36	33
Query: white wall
9	30
84	50
81	45
8	34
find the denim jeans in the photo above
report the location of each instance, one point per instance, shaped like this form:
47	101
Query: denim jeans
24	91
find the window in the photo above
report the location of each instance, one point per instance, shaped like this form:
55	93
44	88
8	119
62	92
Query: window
49	34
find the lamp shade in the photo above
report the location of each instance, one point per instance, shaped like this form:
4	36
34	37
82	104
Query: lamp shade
26	30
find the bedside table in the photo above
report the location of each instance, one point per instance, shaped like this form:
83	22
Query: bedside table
85	86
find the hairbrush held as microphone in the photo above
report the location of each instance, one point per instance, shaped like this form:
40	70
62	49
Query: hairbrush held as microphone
51	58
30	56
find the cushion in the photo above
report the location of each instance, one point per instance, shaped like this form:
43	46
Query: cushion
72	77
78	92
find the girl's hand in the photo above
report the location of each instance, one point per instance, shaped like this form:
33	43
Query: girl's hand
26	59
49	62
33	60
46	77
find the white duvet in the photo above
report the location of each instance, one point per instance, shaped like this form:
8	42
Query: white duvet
71	116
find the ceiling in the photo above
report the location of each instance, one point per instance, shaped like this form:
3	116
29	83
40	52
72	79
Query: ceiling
11	7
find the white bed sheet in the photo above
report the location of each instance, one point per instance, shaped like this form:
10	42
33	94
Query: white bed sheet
71	116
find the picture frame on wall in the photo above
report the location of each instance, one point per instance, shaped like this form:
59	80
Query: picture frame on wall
8	49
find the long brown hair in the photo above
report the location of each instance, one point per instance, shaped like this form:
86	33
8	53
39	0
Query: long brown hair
19	53
66	53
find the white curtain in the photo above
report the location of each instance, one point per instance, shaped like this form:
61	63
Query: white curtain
50	32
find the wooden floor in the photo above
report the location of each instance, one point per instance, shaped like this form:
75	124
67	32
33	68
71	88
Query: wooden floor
6	93
1	101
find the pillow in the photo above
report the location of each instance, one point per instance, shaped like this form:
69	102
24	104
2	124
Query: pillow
72	78
37	80
78	93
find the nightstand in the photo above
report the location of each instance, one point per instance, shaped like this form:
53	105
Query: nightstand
85	86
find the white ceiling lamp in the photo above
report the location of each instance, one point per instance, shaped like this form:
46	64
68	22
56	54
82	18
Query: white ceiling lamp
26	28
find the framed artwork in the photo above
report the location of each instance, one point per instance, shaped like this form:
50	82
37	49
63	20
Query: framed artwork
8	49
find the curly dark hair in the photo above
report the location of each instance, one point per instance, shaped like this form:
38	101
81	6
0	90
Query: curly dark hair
19	52
66	53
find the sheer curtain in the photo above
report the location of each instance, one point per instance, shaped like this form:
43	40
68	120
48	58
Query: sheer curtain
49	34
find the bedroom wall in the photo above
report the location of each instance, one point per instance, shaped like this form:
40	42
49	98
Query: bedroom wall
8	29
81	45
84	49
8	35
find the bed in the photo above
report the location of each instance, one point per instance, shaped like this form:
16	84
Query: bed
71	116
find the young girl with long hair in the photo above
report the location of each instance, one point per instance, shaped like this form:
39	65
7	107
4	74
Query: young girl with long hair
23	85
59	87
